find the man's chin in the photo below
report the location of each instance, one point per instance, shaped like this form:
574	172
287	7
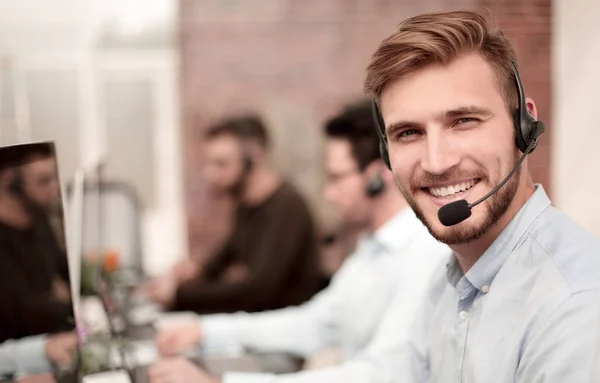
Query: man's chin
470	229
463	232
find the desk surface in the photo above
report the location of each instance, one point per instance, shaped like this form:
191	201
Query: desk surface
142	333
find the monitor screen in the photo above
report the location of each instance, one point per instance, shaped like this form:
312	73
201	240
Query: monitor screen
35	285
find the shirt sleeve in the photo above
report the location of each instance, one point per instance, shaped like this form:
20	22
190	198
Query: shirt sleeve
275	256
360	370
398	345
300	330
566	347
354	372
24	356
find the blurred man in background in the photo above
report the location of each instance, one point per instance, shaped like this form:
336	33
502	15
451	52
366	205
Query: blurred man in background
34	299
36	182
38	178
368	307
270	259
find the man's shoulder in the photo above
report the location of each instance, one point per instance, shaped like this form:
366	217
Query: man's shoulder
438	282
570	250
289	193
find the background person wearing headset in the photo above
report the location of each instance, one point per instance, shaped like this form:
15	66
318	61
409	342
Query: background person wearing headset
369	305
519	300
36	315
37	185
271	258
31	301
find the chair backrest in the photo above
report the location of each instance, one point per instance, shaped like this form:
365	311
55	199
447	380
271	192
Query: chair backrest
111	221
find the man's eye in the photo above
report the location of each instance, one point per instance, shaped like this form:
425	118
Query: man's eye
407	133
465	120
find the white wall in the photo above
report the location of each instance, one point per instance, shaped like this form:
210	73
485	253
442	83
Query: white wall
576	107
68	53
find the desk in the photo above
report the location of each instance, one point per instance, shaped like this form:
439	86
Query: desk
141	332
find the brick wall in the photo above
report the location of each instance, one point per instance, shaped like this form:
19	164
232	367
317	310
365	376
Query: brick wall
297	62
529	23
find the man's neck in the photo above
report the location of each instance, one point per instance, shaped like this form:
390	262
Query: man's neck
260	185
469	253
385	207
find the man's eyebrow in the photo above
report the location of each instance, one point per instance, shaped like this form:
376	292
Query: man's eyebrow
400	125
452	113
464	110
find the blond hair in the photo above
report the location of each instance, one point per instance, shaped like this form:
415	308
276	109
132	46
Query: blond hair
439	38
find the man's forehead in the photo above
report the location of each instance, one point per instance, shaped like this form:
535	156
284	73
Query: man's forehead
40	164
436	89
339	155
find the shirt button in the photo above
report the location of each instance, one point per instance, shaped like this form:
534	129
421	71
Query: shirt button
463	315
485	289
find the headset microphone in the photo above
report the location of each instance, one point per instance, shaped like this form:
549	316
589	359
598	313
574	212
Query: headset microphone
457	211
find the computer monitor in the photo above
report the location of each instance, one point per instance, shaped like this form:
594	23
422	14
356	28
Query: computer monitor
35	281
95	303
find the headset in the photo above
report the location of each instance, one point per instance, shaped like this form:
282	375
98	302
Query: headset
16	185
248	163
527	132
375	187
247	166
527	128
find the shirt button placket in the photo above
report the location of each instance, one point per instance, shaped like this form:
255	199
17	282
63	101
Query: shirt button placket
463	327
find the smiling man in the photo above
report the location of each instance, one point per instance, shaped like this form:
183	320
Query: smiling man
519	300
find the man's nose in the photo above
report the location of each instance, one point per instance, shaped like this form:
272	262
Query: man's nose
440	155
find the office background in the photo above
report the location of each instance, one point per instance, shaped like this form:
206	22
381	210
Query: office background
134	83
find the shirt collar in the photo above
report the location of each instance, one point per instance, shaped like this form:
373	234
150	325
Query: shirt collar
483	272
396	232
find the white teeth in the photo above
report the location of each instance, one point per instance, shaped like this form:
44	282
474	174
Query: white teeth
451	190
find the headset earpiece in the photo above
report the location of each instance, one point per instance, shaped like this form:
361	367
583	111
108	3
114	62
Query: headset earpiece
248	164
526	126
16	186
385	156
375	186
380	126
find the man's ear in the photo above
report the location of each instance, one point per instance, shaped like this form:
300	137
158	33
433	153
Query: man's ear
7	177
379	167
255	151
531	107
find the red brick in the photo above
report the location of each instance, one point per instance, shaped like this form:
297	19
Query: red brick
297	62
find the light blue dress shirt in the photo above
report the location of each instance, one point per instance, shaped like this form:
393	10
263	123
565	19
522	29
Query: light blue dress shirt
24	356
528	311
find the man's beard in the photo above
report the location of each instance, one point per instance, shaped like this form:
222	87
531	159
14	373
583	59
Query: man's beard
496	206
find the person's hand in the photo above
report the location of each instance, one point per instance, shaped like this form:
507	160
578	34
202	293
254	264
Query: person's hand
162	290
179	338
235	273
179	370
61	290
37	378
185	270
60	348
